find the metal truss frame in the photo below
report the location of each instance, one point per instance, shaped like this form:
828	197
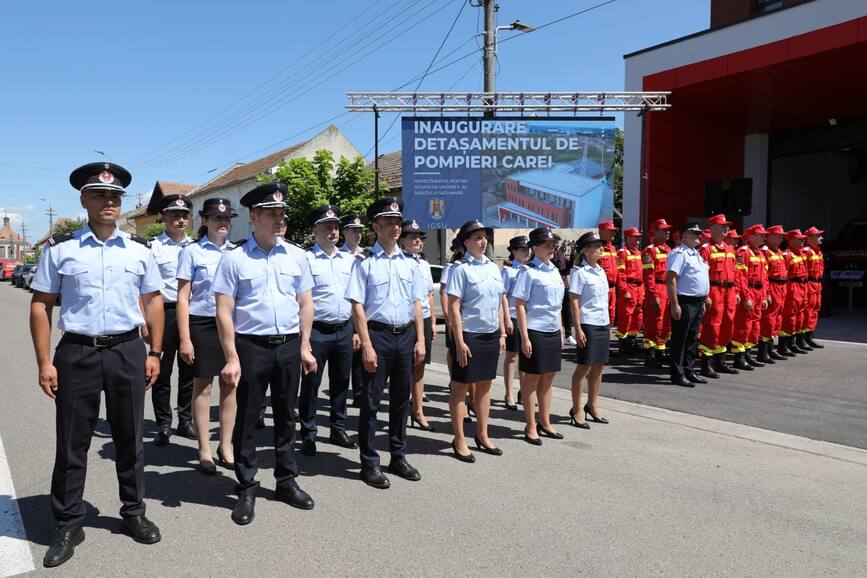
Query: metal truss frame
507	102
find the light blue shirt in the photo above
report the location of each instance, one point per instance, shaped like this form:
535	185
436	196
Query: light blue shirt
693	279
330	278
166	254
427	277
99	283
357	253
387	285
590	284
540	286
198	264
509	275
477	283
265	285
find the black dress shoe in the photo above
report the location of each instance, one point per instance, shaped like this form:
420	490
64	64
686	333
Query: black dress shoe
682	381
510	406
575	422
244	511
63	547
295	497
308	447
342	439
691	376
142	530
588	411
221	460
532	441
494	451
185	430
554	435
400	467
413	422
207	467
375	478
164	433
467	459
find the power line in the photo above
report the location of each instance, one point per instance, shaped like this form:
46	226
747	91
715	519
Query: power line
193	147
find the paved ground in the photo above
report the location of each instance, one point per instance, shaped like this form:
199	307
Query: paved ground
655	492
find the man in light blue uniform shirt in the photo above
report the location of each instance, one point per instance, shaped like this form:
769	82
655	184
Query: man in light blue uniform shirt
386	290
264	318
351	227
174	210
332	339
688	284
106	279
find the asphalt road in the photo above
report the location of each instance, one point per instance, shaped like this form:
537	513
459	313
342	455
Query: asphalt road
641	496
821	395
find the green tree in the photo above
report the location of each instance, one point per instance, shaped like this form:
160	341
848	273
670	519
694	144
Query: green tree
153	230
312	183
63	226
617	178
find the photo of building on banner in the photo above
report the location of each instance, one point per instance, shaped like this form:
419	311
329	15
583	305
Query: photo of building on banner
510	172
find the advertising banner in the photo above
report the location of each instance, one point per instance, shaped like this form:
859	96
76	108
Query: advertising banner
508	172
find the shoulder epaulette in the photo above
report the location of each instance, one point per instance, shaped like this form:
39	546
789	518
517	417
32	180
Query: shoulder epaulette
530	264
141	240
239	243
408	254
60	238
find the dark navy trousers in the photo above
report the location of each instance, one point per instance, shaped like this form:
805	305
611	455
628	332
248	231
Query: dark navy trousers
394	366
335	349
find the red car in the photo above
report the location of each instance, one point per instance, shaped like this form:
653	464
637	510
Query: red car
6	268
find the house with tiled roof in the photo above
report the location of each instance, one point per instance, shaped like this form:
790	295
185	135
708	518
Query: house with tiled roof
136	220
390	171
240	178
11	243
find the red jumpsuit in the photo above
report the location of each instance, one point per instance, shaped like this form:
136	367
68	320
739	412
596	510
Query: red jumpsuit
718	320
815	272
795	305
753	287
630	280
772	319
608	262
657	322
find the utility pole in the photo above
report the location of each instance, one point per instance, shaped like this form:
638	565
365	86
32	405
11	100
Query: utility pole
50	212
489	56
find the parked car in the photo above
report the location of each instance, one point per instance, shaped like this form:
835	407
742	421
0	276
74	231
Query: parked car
27	278
6	269
22	274
847	257
15	272
436	272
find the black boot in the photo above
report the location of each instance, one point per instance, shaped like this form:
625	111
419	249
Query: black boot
792	345
801	340
740	362
783	347
652	359
765	353
706	369
772	351
748	357
719	364
812	342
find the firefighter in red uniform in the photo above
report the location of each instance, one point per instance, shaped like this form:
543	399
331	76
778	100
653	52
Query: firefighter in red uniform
772	320
795	305
718	320
654	264
608	262
733	239
753	288
630	289
815	272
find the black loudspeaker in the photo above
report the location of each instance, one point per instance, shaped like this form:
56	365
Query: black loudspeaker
734	197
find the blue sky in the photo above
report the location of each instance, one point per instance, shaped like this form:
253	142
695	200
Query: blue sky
172	90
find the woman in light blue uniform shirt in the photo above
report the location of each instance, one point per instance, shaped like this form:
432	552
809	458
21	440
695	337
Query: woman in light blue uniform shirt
519	254
588	294
538	294
478	336
200	344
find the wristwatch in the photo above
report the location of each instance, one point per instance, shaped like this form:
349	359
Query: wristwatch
157	354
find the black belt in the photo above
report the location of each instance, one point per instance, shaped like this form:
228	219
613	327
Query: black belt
798	280
634	282
323	327
100	341
270	339
815	279
660	281
777	280
170	304
755	284
394	329
723	284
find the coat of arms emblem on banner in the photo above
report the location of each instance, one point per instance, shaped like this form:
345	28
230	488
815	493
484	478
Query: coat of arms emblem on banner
436	208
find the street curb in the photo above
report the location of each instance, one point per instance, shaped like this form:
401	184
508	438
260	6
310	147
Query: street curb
729	429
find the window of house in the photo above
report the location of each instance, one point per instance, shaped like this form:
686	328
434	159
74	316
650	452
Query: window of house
764	6
2	252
